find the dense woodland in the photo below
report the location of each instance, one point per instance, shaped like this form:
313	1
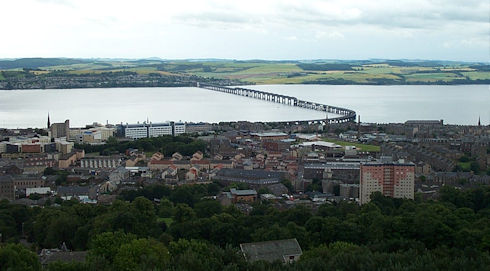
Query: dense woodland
185	230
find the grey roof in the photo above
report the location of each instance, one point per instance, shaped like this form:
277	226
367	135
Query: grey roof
74	190
271	250
278	189
260	177
250	174
333	165
64	256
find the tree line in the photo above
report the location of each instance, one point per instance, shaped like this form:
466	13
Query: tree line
185	230
167	145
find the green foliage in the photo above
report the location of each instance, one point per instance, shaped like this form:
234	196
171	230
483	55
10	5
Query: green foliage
167	145
15	257
104	247
464	158
142	254
475	167
385	234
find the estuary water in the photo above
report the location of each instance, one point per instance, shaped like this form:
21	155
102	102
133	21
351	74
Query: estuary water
459	104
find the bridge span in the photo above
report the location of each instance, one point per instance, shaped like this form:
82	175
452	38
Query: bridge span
346	115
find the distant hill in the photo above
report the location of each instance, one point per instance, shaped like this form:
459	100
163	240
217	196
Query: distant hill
34	63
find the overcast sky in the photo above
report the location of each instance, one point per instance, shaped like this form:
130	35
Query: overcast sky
247	29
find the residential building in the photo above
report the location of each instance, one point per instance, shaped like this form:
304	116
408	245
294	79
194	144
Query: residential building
198	127
392	179
100	162
251	177
7	188
349	191
23	181
70	159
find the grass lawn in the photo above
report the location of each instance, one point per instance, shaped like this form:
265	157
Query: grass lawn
360	146
1	76
465	165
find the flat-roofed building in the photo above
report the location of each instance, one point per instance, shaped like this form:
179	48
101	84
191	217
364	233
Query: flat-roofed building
178	128
159	129
135	131
270	135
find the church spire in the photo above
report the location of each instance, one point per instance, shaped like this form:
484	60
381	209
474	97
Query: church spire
49	122
479	122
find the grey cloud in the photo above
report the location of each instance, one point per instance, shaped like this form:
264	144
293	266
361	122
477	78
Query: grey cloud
429	15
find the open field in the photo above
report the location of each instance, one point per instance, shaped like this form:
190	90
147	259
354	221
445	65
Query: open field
360	146
473	75
293	73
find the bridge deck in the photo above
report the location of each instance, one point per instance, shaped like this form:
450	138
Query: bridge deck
346	115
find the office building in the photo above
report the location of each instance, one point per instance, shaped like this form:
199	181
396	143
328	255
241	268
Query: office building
160	129
144	130
135	131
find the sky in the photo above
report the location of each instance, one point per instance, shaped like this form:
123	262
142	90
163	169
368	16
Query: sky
247	29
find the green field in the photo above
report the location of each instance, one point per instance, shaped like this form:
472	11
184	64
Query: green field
281	72
432	77
477	75
360	146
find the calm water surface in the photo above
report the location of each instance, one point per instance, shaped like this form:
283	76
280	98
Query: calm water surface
29	108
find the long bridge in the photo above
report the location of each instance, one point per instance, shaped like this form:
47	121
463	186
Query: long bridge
346	115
